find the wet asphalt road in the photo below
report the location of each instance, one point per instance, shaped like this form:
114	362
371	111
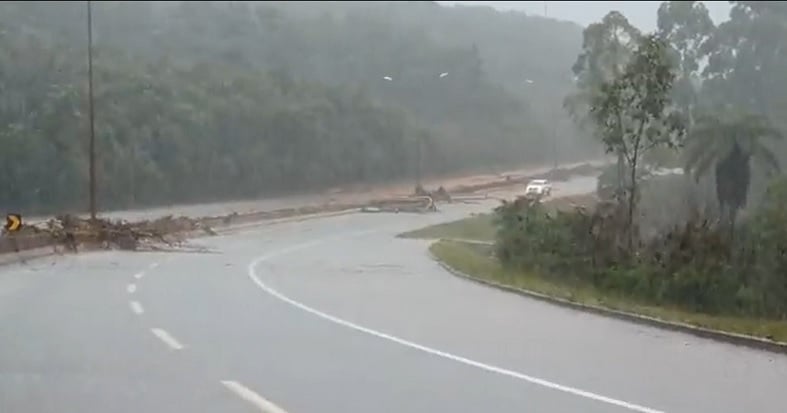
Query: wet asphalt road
337	315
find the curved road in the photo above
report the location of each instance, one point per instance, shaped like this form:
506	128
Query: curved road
338	316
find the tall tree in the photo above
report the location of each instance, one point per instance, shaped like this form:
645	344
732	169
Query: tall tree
634	114
687	28
747	59
607	47
728	142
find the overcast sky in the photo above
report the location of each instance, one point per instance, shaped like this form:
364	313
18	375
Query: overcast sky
640	13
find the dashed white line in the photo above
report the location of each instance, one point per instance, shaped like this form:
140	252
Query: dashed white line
139	275
136	307
459	359
166	338
131	288
252	397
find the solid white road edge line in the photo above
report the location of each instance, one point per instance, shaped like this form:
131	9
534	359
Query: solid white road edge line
494	369
131	288
250	396
166	338
136	307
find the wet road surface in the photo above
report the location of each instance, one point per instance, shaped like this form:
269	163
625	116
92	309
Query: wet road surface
338	316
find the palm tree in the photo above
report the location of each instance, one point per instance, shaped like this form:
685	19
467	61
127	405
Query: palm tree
729	143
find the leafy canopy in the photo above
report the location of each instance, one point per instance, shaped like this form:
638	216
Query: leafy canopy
634	111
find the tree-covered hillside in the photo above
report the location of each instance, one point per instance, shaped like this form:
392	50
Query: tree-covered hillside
214	100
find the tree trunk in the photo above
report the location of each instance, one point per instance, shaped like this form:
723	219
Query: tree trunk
621	175
631	200
733	217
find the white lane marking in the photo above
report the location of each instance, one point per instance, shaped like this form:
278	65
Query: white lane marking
483	366
153	266
131	288
166	338
139	275
250	396
136	307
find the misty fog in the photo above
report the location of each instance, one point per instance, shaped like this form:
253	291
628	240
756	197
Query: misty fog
198	101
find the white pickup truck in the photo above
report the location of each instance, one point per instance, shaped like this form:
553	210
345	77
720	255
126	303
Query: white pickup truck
539	187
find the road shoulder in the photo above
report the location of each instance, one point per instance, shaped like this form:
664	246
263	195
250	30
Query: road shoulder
463	260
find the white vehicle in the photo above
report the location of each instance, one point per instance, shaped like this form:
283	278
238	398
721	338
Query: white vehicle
540	187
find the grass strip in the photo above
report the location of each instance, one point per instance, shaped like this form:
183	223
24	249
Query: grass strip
478	227
477	261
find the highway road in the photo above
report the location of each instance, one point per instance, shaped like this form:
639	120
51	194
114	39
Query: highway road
336	315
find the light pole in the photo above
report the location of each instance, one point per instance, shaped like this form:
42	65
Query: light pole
554	143
550	128
418	141
92	154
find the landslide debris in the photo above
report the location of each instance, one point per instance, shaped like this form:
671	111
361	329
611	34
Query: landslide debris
70	231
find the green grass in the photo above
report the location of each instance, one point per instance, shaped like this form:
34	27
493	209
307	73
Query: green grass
478	262
478	227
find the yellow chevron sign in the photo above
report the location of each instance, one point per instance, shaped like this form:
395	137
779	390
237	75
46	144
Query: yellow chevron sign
13	222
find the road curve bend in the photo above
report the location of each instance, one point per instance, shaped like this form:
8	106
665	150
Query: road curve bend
338	315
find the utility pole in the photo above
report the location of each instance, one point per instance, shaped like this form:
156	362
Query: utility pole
419	142
92	149
554	118
554	142
419	164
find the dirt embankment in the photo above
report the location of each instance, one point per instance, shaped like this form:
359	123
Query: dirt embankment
71	233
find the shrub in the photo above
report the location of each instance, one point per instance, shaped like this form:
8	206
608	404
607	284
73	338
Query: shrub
697	265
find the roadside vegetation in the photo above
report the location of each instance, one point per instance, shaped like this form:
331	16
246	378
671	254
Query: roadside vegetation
480	262
481	227
705	246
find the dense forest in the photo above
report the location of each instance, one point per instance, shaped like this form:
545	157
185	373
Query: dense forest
200	101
